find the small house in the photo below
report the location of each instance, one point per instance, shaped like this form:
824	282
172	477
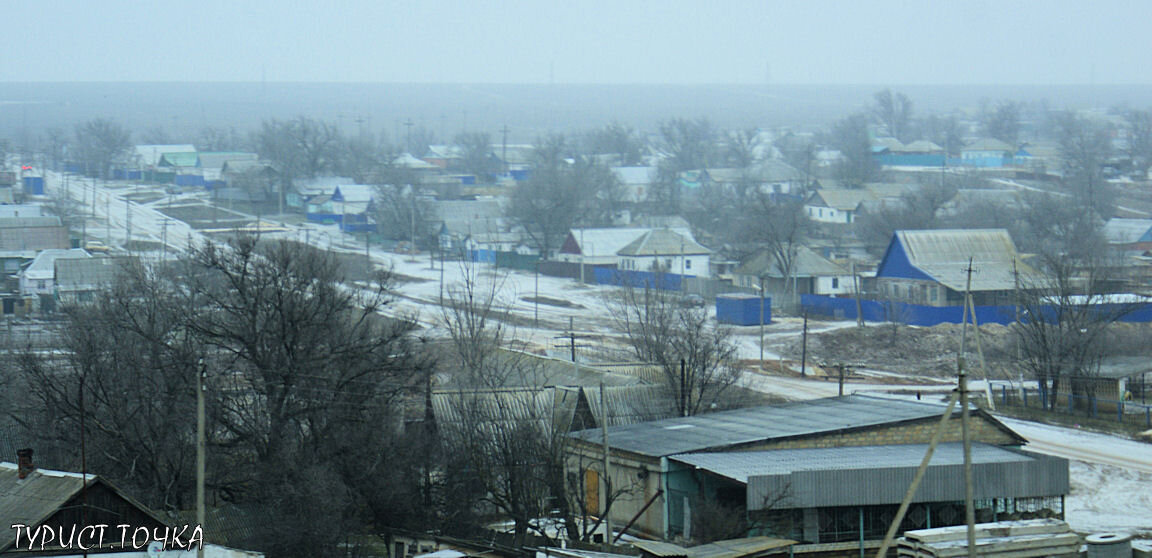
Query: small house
812	273
930	267
665	251
836	206
987	152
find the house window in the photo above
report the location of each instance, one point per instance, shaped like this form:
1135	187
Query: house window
668	263
932	294
835	282
687	264
40	284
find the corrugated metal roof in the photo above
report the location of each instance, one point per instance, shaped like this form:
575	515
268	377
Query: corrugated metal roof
602	243
661	549
944	255
214	160
741	465
663	242
631	404
44	266
551	407
774	170
744	426
149	155
87	274
738	548
34	499
807	263
1127	231
988	144
191	159
920	146
844	200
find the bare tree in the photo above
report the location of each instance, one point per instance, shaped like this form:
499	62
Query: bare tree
894	112
1064	332
945	132
850	136
1085	147
742	146
1140	139
1001	121
477	157
618	140
99	143
696	355
778	226
561	193
213	138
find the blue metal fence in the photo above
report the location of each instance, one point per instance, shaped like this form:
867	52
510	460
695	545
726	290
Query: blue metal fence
921	315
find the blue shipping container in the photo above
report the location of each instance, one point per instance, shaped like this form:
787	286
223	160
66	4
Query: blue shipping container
34	185
742	309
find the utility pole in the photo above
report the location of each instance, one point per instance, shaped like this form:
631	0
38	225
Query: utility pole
504	148
761	321
571	339
164	236
607	479
840	368
536	299
683	388
856	291
408	142
804	352
201	449
107	218
969	507
128	220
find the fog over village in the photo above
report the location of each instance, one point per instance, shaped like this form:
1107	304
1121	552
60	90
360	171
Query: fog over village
577	280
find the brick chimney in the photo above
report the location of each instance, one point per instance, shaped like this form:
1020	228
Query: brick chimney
24	462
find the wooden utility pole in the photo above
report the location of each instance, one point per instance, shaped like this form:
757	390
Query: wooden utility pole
607	478
804	352
761	322
965	434
856	291
840	370
201	450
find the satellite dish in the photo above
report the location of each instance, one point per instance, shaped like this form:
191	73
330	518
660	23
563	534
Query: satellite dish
155	549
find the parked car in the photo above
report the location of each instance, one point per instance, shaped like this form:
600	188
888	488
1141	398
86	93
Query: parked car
693	301
95	246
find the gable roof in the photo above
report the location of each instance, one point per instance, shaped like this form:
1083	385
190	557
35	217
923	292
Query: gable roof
943	256
843	200
663	242
1128	231
601	242
920	146
32	233
187	159
44	266
988	144
729	429
635	175
806	263
215	160
87	274
774	170
149	155
35	499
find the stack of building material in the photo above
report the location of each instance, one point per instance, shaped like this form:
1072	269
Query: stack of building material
1006	539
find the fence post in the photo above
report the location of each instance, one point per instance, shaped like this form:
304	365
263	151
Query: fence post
1092	398
1071	398
1024	396
1004	394
1120	411
1148	417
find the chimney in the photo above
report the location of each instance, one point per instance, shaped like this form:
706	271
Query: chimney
24	462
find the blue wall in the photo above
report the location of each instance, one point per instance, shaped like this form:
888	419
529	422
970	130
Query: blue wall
920	315
910	159
639	279
189	180
896	263
742	309
34	185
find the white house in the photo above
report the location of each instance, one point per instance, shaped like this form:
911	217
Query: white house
836	206
667	251
39	278
636	181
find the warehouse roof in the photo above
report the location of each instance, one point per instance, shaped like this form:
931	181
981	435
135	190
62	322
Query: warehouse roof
728	429
740	465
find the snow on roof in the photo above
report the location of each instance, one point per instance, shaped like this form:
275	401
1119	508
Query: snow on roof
663	242
1127	231
634	175
988	144
214	160
844	200
44	266
594	243
408	161
150	154
920	146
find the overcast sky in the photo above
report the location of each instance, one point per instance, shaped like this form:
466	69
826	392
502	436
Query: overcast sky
594	41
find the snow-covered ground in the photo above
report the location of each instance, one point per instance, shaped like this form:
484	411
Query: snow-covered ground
1111	477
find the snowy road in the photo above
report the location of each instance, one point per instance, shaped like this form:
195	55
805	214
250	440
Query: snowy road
1084	446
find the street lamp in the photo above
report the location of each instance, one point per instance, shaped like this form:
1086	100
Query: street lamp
760	288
